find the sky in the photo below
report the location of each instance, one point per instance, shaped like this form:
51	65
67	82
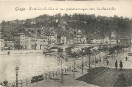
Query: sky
11	10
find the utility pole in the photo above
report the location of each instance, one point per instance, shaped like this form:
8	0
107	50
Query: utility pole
82	64
61	72
82	60
60	56
100	59
95	59
74	69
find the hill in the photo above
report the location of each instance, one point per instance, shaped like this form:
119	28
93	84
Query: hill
66	25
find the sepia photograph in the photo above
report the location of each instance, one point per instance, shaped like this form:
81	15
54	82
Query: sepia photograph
70	43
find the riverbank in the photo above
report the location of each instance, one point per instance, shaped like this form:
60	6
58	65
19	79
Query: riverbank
5	52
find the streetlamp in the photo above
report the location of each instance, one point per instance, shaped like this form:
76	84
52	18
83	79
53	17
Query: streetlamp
74	69
74	56
89	60
61	72
17	68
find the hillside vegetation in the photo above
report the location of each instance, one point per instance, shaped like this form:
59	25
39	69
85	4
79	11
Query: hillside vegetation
66	25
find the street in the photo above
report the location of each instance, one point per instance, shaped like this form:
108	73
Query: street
108	75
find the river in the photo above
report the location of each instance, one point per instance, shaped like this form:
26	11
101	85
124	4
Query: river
29	65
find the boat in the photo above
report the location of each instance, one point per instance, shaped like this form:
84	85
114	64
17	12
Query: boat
49	52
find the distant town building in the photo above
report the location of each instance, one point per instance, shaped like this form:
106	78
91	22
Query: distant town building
79	38
83	40
125	41
33	22
9	45
113	35
22	41
63	40
33	43
51	38
1	40
106	40
70	41
113	41
28	42
41	41
1	44
1	35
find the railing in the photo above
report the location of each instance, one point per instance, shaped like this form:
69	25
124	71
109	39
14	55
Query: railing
45	76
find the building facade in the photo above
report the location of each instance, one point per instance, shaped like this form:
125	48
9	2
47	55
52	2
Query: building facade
9	44
63	40
22	41
51	38
2	44
1	40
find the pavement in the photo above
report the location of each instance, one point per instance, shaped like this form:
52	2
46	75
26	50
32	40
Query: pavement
68	80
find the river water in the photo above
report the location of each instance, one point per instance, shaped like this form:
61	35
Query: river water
29	65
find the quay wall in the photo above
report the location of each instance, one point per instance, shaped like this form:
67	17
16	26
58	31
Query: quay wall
5	52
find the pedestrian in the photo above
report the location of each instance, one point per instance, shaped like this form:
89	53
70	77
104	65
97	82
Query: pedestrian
116	64
107	62
126	58
8	52
121	64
